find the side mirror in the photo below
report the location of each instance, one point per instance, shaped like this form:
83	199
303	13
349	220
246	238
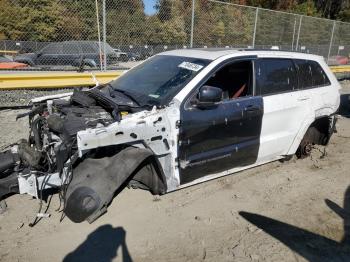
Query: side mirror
38	54
208	96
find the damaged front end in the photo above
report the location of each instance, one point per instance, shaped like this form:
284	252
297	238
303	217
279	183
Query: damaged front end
89	145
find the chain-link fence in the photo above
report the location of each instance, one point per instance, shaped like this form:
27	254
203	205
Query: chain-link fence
110	34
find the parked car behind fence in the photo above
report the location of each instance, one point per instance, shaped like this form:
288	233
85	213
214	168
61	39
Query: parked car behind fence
6	64
69	53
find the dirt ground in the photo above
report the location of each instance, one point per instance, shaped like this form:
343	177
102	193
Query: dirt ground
291	211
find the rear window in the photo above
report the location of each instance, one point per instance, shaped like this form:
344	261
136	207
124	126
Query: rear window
310	74
93	47
275	75
55	48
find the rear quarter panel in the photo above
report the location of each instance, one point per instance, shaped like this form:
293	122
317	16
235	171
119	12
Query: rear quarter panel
324	102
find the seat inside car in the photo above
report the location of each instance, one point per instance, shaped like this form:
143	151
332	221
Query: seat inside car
234	79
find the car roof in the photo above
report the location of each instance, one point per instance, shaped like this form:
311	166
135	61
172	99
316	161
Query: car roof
215	53
77	42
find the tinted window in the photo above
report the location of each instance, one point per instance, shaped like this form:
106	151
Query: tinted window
89	48
304	73
311	74
319	77
109	49
71	48
55	48
275	76
93	47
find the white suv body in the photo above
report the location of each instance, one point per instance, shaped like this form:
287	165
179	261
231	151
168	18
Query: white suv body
285	117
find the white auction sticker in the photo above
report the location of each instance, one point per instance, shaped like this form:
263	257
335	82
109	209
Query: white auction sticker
190	66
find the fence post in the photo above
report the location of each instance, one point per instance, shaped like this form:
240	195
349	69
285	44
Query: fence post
98	34
331	42
192	23
255	25
104	34
301	20
295	25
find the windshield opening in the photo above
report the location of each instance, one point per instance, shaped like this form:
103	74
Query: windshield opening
159	79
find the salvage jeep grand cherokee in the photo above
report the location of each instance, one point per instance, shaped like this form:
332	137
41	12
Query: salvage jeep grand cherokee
179	118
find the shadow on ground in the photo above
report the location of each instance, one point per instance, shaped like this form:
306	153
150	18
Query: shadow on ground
102	245
313	247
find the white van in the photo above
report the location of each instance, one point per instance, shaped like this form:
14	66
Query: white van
180	118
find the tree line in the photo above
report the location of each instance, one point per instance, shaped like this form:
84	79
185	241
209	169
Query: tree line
127	24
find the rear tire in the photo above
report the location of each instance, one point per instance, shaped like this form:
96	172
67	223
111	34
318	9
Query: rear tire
307	143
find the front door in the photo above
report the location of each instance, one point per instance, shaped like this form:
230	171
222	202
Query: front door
225	136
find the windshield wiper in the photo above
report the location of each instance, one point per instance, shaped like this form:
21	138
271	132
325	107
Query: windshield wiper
139	103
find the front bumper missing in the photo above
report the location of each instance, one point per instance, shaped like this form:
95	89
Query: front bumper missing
30	183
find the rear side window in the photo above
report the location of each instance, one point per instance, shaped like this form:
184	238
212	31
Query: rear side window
319	77
89	48
71	49
304	73
310	74
51	49
275	75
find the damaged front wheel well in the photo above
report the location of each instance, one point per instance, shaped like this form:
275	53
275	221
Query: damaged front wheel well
96	181
149	176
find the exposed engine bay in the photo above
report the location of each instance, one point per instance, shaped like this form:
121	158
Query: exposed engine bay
58	153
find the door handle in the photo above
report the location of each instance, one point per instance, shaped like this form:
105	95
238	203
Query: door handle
251	108
251	111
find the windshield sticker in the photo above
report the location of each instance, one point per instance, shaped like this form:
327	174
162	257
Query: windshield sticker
190	66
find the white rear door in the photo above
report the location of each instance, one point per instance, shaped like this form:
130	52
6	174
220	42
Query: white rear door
285	107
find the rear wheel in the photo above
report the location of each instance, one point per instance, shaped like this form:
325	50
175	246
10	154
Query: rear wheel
307	143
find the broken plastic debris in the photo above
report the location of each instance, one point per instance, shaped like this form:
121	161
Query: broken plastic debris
44	215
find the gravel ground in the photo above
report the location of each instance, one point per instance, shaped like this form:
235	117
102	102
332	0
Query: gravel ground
291	211
22	97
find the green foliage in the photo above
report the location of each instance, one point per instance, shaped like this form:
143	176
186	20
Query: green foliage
307	8
30	20
127	24
164	8
344	15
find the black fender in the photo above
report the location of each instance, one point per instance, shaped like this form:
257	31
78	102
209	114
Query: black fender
95	182
90	62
